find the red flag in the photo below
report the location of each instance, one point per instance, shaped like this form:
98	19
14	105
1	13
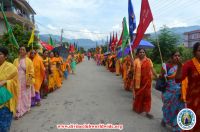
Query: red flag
46	46
71	48
120	40
113	42
145	19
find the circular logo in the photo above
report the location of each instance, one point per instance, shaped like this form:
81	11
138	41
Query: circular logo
186	119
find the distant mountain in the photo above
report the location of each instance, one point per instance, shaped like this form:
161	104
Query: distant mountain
86	43
180	31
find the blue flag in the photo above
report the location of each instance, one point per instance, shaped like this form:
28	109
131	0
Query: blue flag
132	20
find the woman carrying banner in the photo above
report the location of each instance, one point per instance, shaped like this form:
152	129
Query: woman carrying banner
143	71
191	71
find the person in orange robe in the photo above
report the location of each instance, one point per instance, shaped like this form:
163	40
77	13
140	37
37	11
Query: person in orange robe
112	63
191	71
117	67
39	71
129	74
124	67
143	73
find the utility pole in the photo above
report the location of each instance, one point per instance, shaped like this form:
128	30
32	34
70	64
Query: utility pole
61	37
107	44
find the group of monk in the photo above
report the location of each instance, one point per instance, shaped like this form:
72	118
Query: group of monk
182	88
30	78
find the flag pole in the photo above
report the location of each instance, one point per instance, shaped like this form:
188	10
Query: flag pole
154	27
130	49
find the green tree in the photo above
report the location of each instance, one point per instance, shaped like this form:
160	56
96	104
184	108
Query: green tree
22	36
186	53
168	42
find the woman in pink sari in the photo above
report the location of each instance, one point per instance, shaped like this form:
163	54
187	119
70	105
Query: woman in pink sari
26	79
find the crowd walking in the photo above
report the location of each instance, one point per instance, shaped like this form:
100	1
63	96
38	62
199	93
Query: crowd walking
30	78
181	89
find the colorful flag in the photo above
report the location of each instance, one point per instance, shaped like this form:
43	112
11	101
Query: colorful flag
125	36
9	29
145	19
132	19
71	48
31	40
46	46
51	41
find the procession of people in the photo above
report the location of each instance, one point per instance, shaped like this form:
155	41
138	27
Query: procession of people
181	90
29	79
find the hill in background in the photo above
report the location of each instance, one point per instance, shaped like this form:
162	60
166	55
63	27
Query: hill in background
88	43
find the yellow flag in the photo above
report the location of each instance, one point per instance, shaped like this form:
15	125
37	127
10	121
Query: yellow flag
31	40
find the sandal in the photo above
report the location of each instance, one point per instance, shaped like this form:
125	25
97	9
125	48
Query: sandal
149	116
163	124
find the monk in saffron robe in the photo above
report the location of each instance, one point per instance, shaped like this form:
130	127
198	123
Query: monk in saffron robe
191	71
143	71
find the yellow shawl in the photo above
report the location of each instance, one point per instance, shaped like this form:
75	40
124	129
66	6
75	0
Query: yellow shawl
30	76
9	73
137	73
39	72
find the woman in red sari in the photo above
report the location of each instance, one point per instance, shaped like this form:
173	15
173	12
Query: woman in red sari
191	70
143	71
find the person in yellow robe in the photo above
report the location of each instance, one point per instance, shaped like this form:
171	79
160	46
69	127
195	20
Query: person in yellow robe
39	76
54	78
60	69
9	80
69	61
52	81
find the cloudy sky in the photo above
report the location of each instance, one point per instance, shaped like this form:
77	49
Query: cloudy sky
95	19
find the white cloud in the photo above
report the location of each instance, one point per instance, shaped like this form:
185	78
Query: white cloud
117	27
106	15
177	23
52	27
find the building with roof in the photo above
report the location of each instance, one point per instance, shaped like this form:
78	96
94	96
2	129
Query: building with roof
190	38
17	12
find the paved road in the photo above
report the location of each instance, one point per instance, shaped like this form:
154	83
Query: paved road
95	96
